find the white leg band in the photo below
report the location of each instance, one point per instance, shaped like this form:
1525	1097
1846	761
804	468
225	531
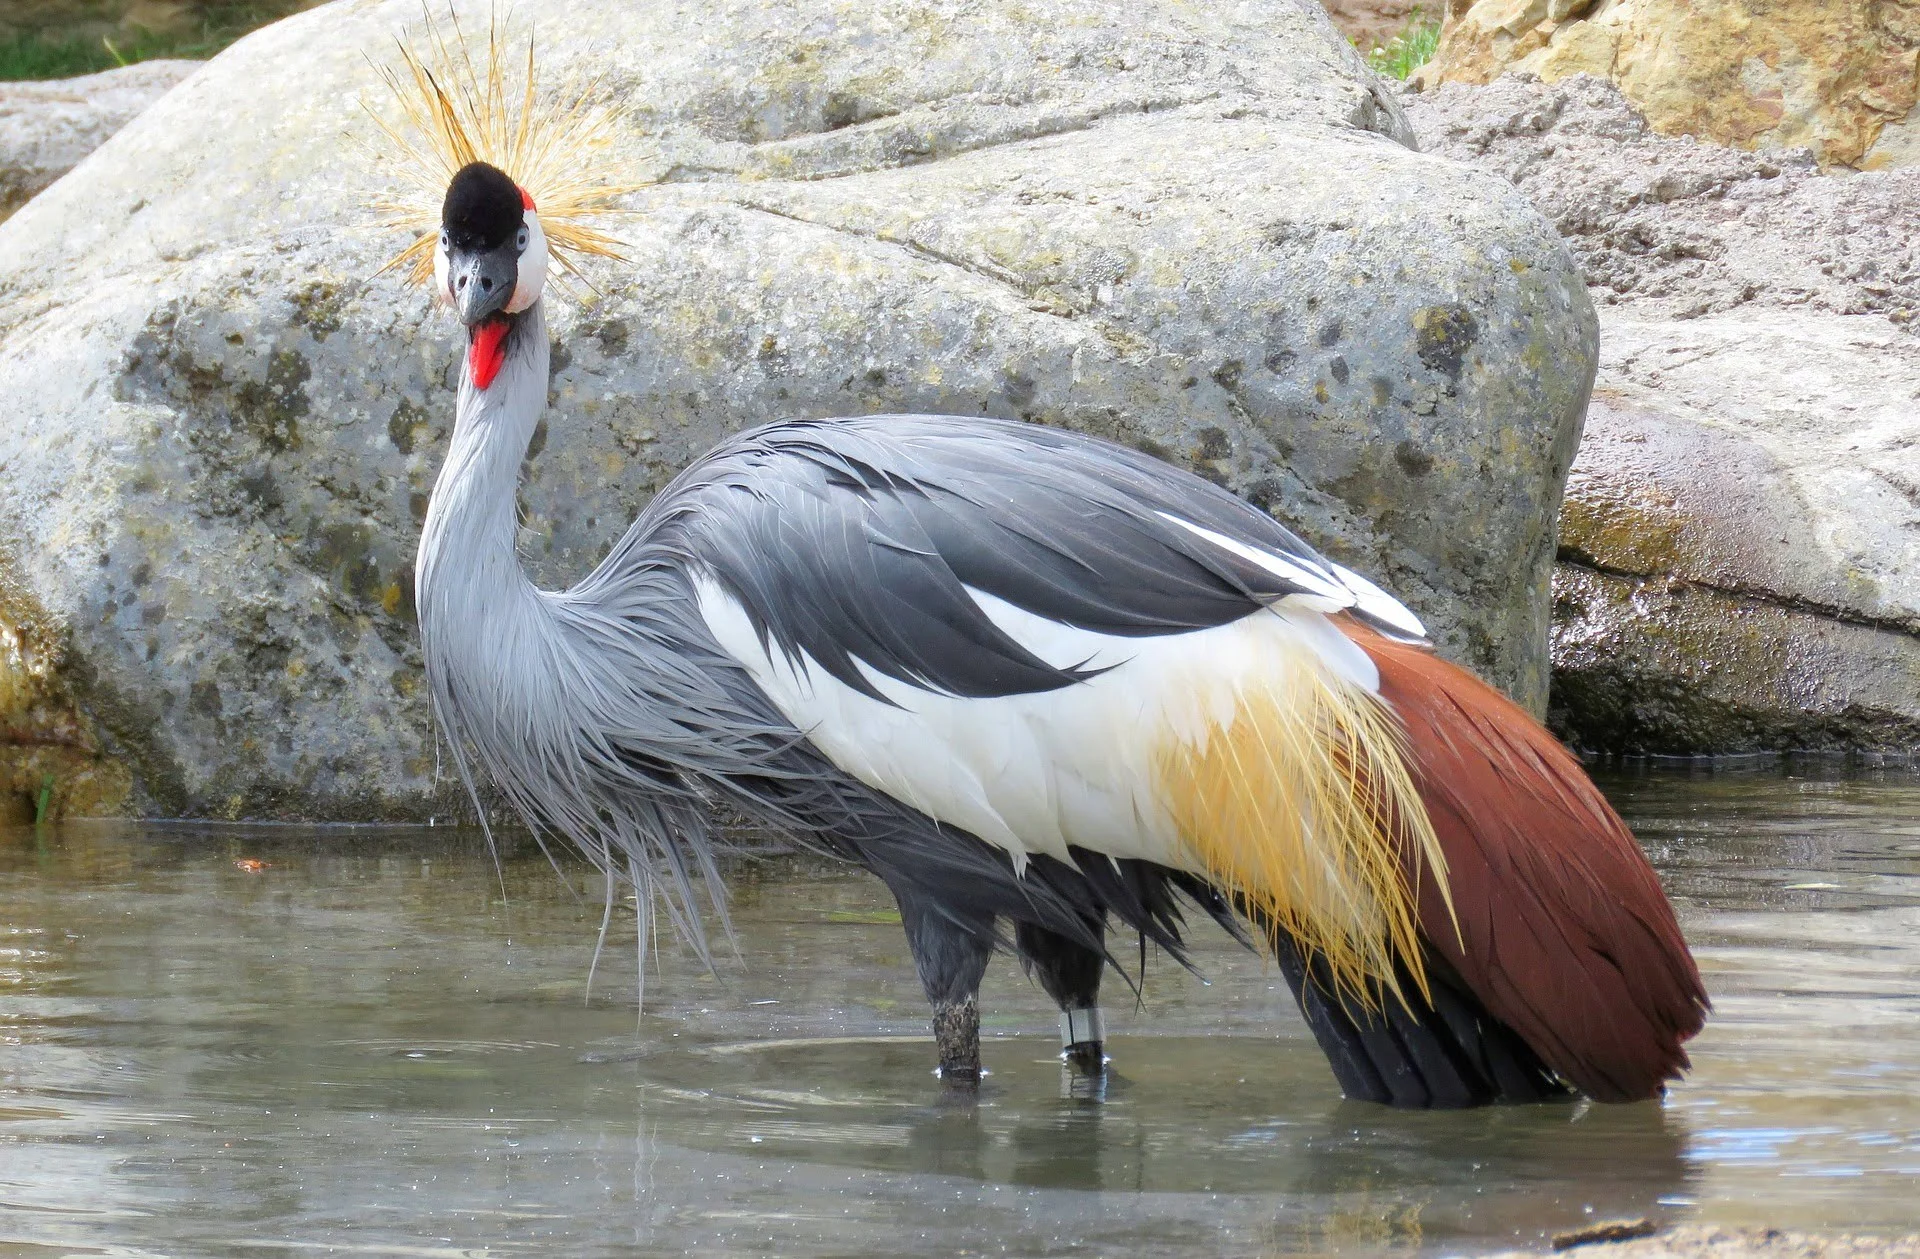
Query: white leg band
1080	1027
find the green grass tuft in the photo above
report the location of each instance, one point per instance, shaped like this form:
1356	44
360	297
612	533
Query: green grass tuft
57	52
35	57
1409	50
43	805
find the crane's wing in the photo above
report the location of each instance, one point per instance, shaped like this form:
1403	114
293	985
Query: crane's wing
865	546
1043	639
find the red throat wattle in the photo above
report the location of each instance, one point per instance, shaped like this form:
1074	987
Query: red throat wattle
487	349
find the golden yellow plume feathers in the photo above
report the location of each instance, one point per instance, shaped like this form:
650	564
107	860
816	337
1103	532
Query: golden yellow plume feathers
457	106
1301	807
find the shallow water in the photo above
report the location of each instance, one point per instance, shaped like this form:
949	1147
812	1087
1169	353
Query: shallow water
365	1048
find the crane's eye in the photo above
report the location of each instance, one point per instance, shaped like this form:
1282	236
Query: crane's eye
445	240
520	239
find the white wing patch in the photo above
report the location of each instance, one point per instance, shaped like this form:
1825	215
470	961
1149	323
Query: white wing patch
1315	581
1332	589
1041	772
1380	605
1062	646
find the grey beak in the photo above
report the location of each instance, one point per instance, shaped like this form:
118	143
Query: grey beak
482	282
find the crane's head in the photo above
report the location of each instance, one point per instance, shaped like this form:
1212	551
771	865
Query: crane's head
491	256
500	180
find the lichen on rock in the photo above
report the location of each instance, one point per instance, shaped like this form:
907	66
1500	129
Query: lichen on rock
52	765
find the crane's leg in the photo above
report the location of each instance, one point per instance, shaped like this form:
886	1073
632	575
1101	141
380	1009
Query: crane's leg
1070	973
950	951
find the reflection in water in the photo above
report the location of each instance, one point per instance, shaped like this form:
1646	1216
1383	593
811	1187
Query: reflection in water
1802	897
1186	1116
361	1044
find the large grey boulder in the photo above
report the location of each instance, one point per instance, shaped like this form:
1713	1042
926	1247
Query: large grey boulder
46	128
1200	229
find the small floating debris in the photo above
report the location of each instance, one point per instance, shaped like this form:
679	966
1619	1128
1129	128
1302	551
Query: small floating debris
1605	1231
250	865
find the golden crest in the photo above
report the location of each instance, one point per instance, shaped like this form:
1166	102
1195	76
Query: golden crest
461	100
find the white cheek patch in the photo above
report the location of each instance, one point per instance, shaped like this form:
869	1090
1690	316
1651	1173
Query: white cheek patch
441	292
531	277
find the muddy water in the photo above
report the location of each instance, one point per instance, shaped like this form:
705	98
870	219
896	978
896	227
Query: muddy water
365	1047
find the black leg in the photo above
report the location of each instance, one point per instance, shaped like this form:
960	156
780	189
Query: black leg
951	955
1069	971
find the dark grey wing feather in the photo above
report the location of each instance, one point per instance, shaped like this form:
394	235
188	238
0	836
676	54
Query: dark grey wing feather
856	540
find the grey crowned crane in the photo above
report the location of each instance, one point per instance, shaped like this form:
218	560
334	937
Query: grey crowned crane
1030	680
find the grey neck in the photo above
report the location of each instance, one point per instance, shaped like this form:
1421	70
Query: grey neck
482	622
467	547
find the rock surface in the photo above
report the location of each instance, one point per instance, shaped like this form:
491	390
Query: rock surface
1675	228
47	128
51	760
1740	548
1841	77
1193	228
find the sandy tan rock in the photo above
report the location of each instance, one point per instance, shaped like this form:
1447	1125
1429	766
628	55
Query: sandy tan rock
46	128
1830	75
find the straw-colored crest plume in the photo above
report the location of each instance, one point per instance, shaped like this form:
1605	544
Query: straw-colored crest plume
460	101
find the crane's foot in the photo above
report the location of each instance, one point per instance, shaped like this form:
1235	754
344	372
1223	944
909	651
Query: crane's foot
956	1034
1083	1035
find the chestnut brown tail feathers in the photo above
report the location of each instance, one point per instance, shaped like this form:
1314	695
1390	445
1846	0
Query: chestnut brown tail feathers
1558	926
